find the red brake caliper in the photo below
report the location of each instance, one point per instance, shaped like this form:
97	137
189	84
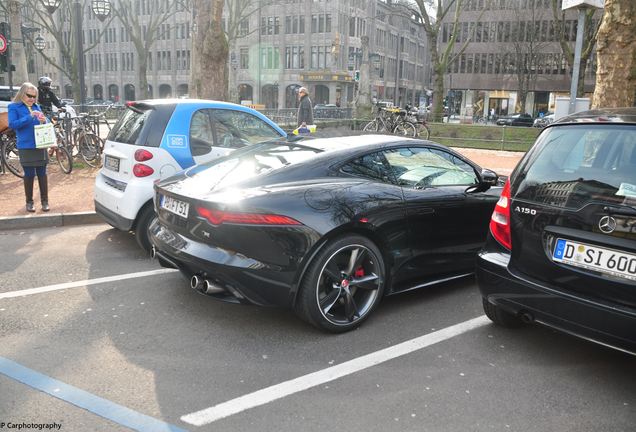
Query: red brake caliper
359	272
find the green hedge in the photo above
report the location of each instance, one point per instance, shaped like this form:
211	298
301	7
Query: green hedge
484	137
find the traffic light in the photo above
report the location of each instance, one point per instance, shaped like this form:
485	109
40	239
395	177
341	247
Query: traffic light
356	75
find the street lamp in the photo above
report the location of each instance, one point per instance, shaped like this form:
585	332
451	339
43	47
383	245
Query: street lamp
39	43
101	9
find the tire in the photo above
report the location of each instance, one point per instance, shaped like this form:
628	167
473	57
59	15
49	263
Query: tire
372	126
64	159
405	129
90	147
10	156
343	284
499	316
146	216
423	131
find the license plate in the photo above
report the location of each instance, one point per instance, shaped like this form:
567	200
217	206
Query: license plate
111	163
177	207
596	258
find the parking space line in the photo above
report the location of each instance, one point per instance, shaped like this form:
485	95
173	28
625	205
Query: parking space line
278	391
82	399
57	287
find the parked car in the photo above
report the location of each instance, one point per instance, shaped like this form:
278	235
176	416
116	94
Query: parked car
541	122
518	119
562	244
325	226
154	139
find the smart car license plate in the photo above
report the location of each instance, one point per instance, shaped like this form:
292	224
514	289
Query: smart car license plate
177	207
111	163
596	258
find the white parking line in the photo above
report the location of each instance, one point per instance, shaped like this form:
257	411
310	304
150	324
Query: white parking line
278	391
57	287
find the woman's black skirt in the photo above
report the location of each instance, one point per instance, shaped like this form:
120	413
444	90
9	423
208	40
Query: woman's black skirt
33	157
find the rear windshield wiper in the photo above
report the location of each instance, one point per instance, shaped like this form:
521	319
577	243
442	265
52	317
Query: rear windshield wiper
620	210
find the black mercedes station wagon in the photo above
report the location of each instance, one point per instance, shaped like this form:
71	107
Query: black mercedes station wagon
562	244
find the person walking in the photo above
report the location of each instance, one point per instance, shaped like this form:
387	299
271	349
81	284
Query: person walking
24	115
46	97
305	108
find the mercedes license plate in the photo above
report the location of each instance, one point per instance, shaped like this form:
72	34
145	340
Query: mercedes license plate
177	207
596	258
111	163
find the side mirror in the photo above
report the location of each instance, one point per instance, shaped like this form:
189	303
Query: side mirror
489	177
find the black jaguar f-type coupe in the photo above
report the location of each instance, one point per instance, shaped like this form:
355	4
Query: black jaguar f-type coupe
325	226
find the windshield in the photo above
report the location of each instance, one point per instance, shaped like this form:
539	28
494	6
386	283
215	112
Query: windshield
574	165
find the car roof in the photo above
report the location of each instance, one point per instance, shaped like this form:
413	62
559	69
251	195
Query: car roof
197	102
352	141
601	115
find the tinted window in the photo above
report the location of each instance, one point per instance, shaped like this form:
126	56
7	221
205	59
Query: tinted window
426	167
372	166
237	128
129	127
573	165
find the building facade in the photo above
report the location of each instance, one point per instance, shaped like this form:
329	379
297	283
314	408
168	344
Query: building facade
512	40
279	47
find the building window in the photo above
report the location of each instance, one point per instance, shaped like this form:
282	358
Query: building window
244	58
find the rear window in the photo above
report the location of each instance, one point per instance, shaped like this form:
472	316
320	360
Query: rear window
141	125
571	166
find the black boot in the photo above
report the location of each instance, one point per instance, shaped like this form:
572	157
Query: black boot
43	182
28	192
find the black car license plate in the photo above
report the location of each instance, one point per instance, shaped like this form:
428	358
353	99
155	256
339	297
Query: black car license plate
111	163
607	261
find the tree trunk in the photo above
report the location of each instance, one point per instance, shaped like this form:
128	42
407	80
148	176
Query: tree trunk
209	74
616	56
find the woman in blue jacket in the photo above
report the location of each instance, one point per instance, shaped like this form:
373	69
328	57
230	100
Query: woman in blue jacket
24	114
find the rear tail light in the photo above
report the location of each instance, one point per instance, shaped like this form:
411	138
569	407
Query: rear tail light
143	155
142	170
500	220
218	217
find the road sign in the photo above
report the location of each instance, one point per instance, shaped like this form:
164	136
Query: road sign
3	44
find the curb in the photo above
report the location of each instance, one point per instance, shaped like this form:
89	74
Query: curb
49	220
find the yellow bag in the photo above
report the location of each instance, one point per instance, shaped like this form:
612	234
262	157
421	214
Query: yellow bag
304	130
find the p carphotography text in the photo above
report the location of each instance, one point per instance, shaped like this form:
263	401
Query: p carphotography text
29	426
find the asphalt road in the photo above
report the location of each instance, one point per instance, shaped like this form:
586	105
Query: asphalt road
90	342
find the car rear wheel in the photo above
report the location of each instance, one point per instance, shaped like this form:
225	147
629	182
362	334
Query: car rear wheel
146	217
500	316
343	284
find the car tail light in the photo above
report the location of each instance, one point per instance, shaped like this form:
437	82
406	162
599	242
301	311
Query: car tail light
218	217
142	170
500	220
142	155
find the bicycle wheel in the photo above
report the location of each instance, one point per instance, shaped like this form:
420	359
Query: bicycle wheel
10	156
405	128
372	126
90	147
64	159
423	131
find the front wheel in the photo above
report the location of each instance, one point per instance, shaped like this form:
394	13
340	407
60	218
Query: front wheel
405	129
423	131
343	284
64	159
372	126
10	155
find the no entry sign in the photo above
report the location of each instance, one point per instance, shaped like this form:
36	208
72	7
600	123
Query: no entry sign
3	44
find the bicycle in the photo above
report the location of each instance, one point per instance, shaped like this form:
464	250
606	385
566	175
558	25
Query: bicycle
89	145
392	120
9	156
422	129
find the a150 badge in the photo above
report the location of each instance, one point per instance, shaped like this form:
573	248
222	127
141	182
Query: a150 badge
526	210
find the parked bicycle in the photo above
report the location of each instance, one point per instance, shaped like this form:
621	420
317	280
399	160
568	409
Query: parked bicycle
9	156
422	130
392	120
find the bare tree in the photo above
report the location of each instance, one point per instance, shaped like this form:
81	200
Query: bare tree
209	72
442	57
60	26
562	31
144	28
528	41
616	56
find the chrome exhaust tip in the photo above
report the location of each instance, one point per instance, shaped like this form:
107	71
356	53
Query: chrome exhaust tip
210	288
196	283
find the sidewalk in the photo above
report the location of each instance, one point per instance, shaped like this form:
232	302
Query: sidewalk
71	195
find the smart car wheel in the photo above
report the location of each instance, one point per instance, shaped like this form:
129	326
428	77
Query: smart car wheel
146	217
343	284
500	316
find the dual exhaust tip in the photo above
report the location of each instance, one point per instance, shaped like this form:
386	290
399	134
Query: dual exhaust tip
200	284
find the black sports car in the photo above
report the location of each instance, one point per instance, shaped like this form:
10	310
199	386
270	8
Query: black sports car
326	226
